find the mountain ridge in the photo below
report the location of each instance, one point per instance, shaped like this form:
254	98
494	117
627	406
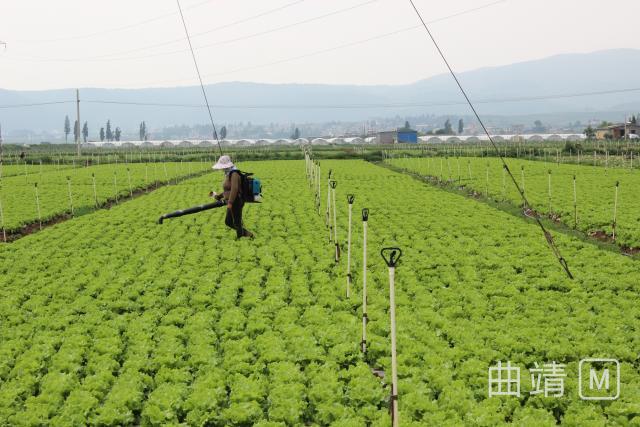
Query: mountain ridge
236	101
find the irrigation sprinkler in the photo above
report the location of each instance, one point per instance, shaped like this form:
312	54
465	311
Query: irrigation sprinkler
469	168
115	185
70	198
166	176
4	232
504	182
318	186
95	193
575	204
615	210
549	175
328	213
365	319
146	177
391	257
38	205
129	182
350	199
486	184
335	221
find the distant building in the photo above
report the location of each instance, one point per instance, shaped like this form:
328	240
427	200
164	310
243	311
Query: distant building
397	136
618	131
386	137
407	136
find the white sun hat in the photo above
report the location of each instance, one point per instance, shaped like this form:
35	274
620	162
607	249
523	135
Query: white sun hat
224	162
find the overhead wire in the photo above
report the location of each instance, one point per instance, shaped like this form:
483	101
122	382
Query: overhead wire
109	56
113	30
333	48
35	104
546	233
365	106
209	45
204	92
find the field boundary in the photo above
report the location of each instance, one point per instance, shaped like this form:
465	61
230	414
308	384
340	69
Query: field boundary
37	226
601	242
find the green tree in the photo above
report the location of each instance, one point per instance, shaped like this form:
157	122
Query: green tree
296	134
109	132
589	132
539	127
67	128
407	125
143	131
102	135
223	132
76	131
460	127
85	131
634	120
448	129
117	134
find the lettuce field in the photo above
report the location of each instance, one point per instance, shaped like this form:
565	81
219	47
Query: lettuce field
549	187
110	319
82	188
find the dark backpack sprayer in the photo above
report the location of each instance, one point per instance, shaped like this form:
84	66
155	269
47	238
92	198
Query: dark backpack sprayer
250	191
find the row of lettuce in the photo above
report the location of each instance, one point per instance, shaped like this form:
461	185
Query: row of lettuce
549	188
61	190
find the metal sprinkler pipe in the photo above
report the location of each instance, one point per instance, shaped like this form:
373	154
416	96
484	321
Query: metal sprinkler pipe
391	257
350	200
365	319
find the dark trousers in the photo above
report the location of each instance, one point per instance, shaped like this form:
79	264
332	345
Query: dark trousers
234	218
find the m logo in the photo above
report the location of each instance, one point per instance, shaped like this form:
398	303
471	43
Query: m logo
599	372
593	379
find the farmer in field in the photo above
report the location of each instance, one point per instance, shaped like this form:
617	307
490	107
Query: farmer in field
232	194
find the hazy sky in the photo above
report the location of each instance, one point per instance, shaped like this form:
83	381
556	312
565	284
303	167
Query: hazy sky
140	43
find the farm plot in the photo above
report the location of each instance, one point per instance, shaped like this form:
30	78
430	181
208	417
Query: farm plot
21	205
549	187
179	323
477	286
29	168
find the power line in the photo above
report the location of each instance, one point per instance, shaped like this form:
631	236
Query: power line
195	62
209	45
367	106
113	30
334	48
109	56
547	235
335	106
35	104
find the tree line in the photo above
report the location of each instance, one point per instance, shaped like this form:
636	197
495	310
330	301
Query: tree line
106	133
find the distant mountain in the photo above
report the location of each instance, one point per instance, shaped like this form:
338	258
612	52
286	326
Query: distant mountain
283	103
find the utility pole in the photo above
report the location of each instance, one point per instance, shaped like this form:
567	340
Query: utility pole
78	118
